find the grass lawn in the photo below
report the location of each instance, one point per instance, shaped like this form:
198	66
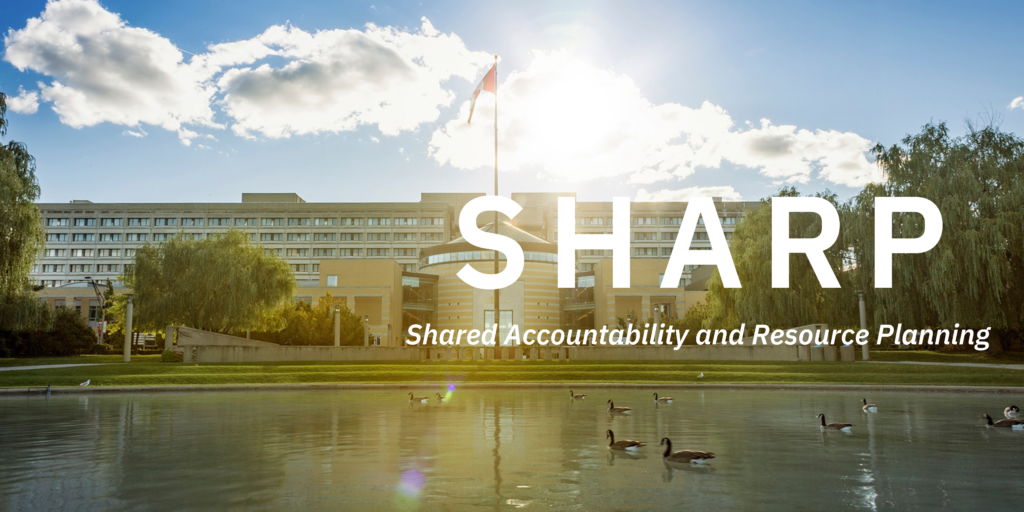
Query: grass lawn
147	370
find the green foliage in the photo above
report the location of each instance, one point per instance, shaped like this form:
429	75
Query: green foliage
974	274
21	234
168	356
220	283
302	323
805	301
694	319
67	334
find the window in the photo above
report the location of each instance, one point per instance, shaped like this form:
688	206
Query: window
109	253
376	252
165	222
298	237
138	222
272	222
643	221
129	253
728	221
376	237
252	236
50	283
586	267
666	251
323	252
130	268
351	222
298	252
432	221
81	253
405	237
94	312
50	269
683	281
645	251
591	252
300	267
245	222
111	222
316	267
56	237
136	237
405	221
218	222
325	222
54	253
324	237
110	237
192	222
107	268
645	236
332	280
378	221
85	222
348	237
83	237
272	252
80	268
669	236
159	237
350	252
591	221
700	236
270	237
298	222
671	221
432	237
405	252
408	267
56	222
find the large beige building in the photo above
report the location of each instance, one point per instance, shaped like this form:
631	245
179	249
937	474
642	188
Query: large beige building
394	263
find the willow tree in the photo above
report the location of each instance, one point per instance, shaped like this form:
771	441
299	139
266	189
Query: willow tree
220	283
974	275
804	302
21	233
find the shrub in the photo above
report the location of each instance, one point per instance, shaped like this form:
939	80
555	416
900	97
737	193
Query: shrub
101	349
169	356
68	334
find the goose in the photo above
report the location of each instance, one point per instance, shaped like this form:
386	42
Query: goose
845	427
577	397
440	398
869	407
1011	412
625	444
1015	424
684	456
86	383
421	399
620	410
664	399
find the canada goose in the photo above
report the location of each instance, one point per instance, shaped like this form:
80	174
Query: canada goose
685	456
625	444
577	397
1015	424
845	427
1011	412
619	410
421	399
440	398
664	399
869	407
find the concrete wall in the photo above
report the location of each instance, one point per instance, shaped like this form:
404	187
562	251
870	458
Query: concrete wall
198	346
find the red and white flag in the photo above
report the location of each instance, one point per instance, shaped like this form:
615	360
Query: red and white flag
487	84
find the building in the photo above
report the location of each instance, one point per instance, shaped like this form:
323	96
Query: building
393	263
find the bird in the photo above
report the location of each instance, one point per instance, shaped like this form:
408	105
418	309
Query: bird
1011	412
625	444
701	376
845	427
685	456
86	383
421	399
1014	424
440	398
619	410
869	407
577	397
664	399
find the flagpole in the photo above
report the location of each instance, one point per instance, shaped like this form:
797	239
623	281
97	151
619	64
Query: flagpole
497	294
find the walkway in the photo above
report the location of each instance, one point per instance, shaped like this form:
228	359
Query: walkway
975	365
46	366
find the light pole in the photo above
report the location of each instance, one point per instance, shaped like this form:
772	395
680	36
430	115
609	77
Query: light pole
863	324
128	331
337	326
103	310
366	330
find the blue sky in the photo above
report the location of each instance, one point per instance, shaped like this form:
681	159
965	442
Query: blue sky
645	99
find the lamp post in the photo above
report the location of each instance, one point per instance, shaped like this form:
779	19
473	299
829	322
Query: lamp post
366	330
863	324
128	331
103	310
337	326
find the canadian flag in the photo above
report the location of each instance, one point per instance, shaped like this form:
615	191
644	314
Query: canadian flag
487	84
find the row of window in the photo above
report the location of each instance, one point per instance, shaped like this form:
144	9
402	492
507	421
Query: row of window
648	221
250	221
484	255
59	269
264	237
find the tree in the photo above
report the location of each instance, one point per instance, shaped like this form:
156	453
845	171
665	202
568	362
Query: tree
804	302
973	276
21	233
221	283
302	323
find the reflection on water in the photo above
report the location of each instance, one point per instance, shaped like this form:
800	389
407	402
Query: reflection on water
502	449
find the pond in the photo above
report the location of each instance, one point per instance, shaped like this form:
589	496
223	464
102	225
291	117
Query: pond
502	448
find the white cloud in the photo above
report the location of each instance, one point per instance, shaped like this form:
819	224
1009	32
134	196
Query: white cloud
140	133
337	80
726	192
104	70
577	122
374	139
1017	102
25	102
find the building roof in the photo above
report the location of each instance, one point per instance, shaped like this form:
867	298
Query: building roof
506	229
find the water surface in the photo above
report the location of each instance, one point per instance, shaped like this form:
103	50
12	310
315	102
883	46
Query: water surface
501	449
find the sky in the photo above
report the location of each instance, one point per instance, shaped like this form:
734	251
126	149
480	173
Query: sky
192	101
